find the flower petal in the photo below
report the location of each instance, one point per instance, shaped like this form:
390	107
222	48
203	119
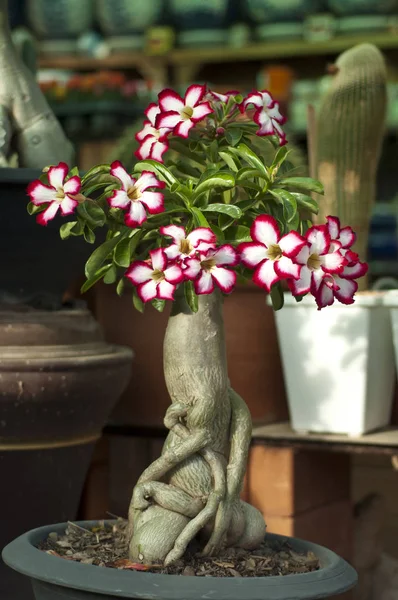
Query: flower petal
183	128
317	278
56	175
147	291
136	215
44	217
201	234
147	179
224	278
275	115
265	230
279	132
226	255
265	276
324	297
152	112
334	262
264	121
355	271
159	259
319	239
174	274
40	193
256	99
147	130
145	149
165	291
68	205
119	199
251	253
157	150
302	285
347	237
285	268
193	268
168	120
176	232
170	100
302	257
194	94
204	283
201	111
291	244
346	291
73	185
139	272
333	225
117	170
172	252
154	202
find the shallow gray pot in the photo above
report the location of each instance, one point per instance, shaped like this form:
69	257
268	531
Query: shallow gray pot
54	577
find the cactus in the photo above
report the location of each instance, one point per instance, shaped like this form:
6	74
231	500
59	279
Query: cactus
349	135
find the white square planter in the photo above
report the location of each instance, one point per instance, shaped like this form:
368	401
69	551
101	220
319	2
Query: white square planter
338	364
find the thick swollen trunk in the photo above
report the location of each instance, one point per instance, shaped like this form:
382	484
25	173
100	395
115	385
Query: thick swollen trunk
193	489
25	116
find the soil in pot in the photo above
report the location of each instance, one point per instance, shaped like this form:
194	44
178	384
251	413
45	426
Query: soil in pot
106	546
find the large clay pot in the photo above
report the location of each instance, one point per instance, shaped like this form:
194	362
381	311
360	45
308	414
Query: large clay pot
58	383
360	7
200	22
252	349
61	19
271	11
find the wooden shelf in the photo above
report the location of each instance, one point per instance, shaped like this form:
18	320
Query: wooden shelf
282	435
188	60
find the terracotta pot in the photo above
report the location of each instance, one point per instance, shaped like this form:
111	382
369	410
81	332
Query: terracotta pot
58	383
252	347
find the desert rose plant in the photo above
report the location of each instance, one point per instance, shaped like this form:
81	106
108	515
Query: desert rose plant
201	211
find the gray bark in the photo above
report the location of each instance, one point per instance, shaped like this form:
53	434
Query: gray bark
193	488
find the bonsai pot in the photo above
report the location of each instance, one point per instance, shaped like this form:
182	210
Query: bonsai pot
58	381
338	364
37	259
54	577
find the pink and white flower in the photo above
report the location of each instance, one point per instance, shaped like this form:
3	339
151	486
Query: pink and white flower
224	97
155	278
266	115
59	194
134	196
320	258
153	141
271	255
209	269
180	114
199	240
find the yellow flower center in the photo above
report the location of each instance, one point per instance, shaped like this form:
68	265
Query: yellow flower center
186	112
158	275
314	262
60	195
274	252
133	193
208	264
186	247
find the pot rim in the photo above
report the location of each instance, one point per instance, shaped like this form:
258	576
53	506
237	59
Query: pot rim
334	577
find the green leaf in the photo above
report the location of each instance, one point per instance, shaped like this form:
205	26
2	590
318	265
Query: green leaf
219	233
190	296
73	172
96	277
100	255
199	218
111	275
288	202
66	228
137	302
121	254
280	157
238	234
97	170
217	180
120	287
91	213
251	157
34	210
89	235
230	160
248	173
306	202
277	296
158	168
233	136
183	149
213	151
159	304
227	209
302	183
